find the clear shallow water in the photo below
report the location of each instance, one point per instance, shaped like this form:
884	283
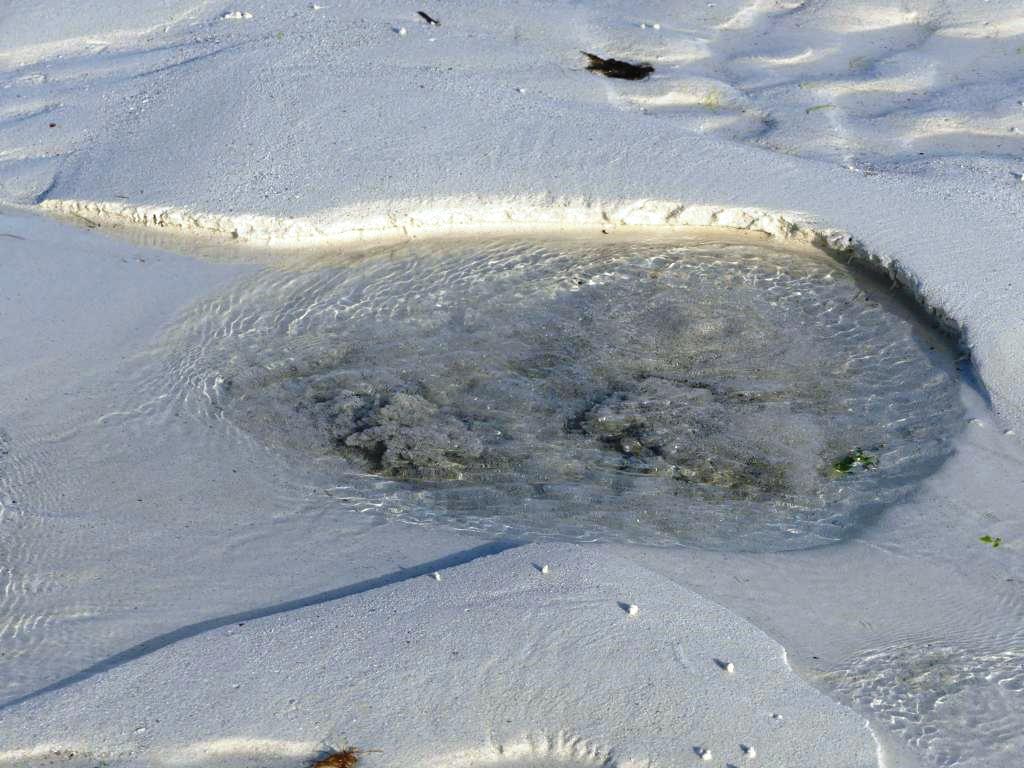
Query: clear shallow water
728	396
954	704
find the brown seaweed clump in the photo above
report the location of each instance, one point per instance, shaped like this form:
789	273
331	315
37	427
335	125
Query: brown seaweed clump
346	758
621	70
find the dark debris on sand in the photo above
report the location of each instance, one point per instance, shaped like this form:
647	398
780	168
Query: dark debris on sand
622	70
346	758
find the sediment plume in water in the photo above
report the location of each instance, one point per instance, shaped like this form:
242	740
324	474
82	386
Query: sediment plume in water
724	395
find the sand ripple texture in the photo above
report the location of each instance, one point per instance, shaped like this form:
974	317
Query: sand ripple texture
870	86
910	87
731	396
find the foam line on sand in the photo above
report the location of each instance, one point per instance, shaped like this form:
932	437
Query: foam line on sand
389	221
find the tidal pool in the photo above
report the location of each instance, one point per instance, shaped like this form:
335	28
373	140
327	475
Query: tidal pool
725	395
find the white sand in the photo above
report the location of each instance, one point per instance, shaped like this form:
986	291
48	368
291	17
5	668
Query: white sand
497	664
891	129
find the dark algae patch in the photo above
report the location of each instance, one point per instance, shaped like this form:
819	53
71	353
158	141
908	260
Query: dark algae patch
620	70
644	428
855	459
994	541
403	435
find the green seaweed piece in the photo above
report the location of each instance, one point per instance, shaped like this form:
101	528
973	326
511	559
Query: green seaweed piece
995	541
711	100
855	458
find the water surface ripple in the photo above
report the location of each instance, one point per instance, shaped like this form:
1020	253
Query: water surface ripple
729	396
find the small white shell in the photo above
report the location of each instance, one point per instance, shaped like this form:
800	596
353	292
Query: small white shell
705	753
729	667
633	610
545	569
402	31
435	576
749	752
